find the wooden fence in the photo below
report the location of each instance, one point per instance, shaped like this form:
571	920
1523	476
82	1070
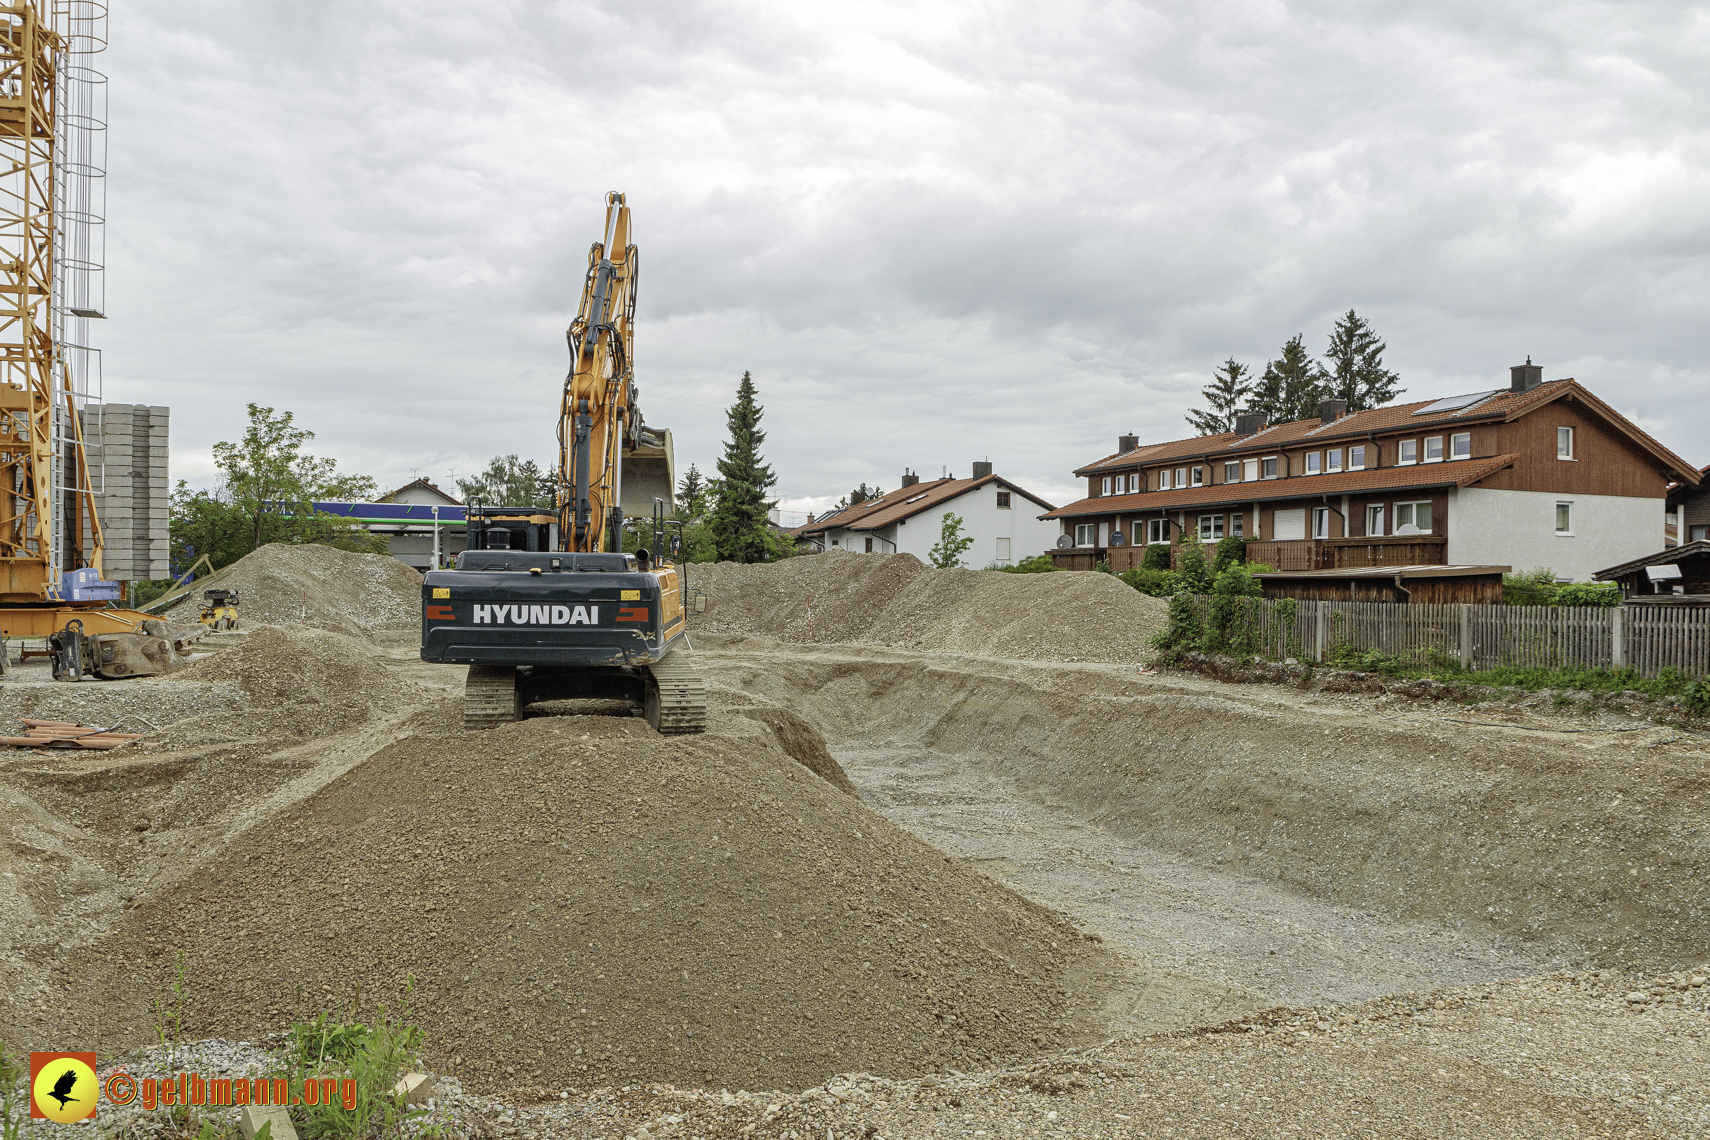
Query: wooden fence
1648	639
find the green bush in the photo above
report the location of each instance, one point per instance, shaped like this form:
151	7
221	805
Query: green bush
1194	572
1038	564
1230	551
374	1056
1157	557
1587	594
1532	588
1232	625
1158	583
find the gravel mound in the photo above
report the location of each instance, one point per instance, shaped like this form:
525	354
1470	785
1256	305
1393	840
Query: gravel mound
583	902
896	600
310	682
314	585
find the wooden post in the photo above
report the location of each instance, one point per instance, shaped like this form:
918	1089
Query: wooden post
1466	636
1617	637
1318	632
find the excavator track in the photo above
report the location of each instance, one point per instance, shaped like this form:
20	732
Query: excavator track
490	696
677	697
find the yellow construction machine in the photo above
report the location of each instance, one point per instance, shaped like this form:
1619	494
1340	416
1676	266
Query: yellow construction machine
545	605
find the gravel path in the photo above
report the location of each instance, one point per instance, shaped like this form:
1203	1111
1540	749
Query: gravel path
1232	929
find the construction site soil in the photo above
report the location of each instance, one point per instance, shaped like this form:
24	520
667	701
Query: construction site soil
959	872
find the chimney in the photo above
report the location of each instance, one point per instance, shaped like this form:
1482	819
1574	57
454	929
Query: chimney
909	478
1525	377
982	468
1251	423
1329	411
1126	443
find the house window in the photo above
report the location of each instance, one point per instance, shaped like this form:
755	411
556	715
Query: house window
1374	521
1003	550
1157	530
1268	468
1134	482
1210	527
1333	459
1409	449
1085	534
1231	472
1564	443
1415	515
1181	477
1460	445
1313	461
1106	490
1198	477
1003	501
1249	470
1564	514
836	542
1433	449
1235	526
1320	522
1163	480
869	546
1699	534
1356	459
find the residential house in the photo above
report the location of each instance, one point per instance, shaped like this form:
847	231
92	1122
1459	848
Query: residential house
1001	517
408	518
1538	474
1689	511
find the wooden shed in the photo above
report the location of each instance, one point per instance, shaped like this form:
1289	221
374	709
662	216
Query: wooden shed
1678	571
1426	584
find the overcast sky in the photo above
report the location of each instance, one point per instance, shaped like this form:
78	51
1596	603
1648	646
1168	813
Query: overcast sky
934	233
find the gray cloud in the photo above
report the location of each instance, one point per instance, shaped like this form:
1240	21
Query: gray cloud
933	232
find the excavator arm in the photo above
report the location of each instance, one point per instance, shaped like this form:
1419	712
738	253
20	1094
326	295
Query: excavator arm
598	419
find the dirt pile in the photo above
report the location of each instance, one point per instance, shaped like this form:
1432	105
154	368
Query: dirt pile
582	902
303	682
1586	837
316	586
895	600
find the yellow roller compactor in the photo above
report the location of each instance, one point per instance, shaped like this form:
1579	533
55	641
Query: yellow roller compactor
544	605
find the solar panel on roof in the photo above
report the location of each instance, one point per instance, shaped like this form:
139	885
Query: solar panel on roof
1455	403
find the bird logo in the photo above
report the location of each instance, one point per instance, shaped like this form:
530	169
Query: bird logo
63	1086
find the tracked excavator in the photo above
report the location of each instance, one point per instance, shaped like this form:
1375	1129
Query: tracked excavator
544	605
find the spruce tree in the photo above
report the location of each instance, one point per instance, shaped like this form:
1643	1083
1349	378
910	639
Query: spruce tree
1291	386
1223	396
739	515
1356	372
690	493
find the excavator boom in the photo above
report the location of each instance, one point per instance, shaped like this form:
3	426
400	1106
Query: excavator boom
598	418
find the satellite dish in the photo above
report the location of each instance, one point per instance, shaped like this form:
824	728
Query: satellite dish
1064	542
1117	538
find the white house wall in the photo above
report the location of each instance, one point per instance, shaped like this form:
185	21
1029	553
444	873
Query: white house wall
1518	529
985	523
982	521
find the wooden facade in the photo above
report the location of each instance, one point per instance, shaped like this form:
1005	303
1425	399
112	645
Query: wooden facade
1419	585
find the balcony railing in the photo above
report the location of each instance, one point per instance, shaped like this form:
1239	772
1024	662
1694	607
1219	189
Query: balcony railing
1349	553
1307	554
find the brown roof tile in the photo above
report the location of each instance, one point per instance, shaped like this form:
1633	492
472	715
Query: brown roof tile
905	502
1458	473
1503	405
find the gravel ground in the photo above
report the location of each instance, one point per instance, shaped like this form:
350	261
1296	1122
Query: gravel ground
1596	1054
895	600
